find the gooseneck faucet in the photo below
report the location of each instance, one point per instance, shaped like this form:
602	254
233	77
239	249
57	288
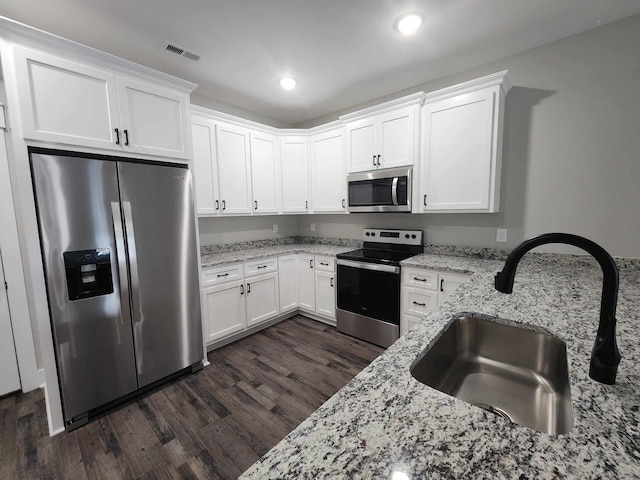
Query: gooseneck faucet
605	356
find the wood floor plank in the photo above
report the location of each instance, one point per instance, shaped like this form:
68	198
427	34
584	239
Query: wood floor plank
209	425
231	453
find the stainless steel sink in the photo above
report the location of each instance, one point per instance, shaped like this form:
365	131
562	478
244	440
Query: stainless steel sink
519	374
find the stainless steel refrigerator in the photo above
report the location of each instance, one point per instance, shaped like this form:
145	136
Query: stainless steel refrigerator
120	258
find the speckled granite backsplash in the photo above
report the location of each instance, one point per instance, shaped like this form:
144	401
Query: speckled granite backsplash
232	247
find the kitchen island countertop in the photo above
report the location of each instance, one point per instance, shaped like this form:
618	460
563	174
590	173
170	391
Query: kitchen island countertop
384	421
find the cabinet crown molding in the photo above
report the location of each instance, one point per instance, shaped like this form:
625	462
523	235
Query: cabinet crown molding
406	101
495	79
34	38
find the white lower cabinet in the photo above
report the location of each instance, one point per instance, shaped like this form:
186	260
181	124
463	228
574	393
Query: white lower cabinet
423	290
224	309
262	298
306	282
288	282
325	294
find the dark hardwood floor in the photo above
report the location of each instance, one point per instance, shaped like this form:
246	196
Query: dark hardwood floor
213	424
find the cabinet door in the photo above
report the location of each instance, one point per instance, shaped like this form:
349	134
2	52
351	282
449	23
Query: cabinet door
264	178
418	301
262	298
306	283
361	146
325	294
224	310
448	283
288	282
154	119
66	102
232	152
457	160
328	173
397	138
203	134
295	174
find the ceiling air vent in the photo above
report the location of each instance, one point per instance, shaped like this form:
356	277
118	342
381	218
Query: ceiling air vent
178	50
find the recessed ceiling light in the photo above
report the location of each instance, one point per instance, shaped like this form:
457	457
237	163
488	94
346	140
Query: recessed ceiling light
409	23
288	83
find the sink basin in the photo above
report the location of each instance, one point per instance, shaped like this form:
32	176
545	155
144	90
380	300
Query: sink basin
517	373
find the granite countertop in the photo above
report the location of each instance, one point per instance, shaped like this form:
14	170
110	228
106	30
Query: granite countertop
220	258
385	421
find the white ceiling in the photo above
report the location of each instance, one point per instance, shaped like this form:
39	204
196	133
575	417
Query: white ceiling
343	52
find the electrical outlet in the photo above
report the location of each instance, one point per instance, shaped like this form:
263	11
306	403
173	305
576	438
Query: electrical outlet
313	227
275	228
501	235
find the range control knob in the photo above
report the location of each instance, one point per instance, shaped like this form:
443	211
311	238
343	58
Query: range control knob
373	234
367	234
413	236
406	235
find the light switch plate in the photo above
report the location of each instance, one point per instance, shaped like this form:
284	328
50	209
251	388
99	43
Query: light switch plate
501	235
275	228
313	227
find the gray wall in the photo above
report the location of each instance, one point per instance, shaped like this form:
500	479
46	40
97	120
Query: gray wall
571	158
214	231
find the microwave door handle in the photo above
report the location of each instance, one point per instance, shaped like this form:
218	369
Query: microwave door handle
394	191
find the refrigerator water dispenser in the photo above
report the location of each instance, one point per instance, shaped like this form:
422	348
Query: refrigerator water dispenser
88	273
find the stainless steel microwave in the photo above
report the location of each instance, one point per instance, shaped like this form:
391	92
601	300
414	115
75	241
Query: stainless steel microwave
386	190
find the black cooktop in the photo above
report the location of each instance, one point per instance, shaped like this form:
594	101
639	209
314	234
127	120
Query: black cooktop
373	255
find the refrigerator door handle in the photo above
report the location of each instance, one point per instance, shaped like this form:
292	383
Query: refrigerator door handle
122	263
136	314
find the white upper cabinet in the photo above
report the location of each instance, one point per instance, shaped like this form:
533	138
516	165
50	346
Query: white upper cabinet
66	102
328	172
385	136
264	173
204	166
234	164
462	147
295	174
154	119
75	103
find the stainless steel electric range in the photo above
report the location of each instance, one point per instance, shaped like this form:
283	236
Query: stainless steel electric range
369	284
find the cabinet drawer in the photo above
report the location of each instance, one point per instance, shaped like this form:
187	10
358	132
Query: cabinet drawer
328	264
420	278
418	302
258	267
216	276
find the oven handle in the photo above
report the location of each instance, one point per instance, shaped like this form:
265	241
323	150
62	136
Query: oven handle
394	191
370	266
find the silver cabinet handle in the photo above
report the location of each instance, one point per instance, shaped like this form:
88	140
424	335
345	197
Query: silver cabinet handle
136	313
122	262
419	304
419	279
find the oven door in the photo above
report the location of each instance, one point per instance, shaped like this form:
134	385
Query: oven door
380	191
370	290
